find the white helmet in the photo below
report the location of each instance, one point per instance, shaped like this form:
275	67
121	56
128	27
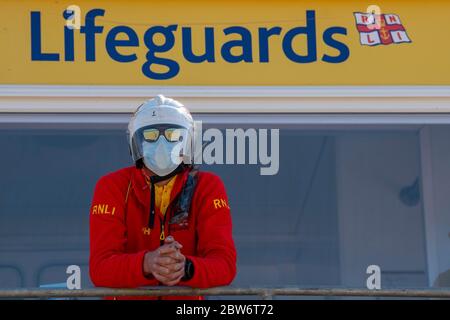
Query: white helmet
161	112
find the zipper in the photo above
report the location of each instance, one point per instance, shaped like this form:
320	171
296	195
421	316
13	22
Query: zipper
162	235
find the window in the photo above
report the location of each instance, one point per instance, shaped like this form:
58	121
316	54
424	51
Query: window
349	193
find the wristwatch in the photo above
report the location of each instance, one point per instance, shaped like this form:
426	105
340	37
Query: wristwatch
188	270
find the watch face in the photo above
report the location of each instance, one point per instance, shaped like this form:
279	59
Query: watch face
188	269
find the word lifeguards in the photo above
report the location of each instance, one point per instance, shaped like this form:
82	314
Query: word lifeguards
159	60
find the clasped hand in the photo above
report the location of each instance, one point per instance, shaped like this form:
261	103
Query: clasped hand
166	263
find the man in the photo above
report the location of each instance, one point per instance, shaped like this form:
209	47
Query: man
161	222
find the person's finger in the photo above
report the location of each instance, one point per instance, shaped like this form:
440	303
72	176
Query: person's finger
162	270
166	260
173	282
175	267
179	269
166	249
174	259
178	272
168	240
177	245
162	278
177	255
172	279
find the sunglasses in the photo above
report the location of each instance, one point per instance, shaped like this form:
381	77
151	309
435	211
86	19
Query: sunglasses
172	134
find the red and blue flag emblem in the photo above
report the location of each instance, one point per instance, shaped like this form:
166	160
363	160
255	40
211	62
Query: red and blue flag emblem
375	29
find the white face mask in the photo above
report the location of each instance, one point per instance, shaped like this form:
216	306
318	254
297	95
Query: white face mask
162	157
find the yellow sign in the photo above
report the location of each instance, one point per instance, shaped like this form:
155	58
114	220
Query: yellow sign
225	42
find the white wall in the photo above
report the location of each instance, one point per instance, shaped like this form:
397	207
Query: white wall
375	226
439	232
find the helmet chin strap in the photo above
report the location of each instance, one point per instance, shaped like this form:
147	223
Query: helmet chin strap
155	179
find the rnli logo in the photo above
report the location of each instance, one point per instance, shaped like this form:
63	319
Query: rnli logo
375	29
103	209
220	203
